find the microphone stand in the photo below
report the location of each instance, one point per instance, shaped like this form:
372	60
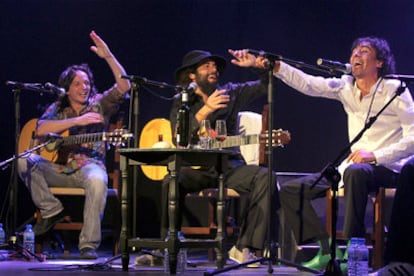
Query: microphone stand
330	172
133	117
14	185
13	197
27	152
269	152
17	87
21	251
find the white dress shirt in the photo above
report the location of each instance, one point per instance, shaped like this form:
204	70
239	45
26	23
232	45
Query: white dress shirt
391	136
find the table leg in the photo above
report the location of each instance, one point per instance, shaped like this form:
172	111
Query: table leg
124	209
172	237
221	260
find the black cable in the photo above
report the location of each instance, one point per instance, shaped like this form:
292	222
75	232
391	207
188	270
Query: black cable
158	95
89	267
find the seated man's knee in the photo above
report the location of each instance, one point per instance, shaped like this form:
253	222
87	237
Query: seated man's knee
22	165
408	167
98	184
357	170
26	164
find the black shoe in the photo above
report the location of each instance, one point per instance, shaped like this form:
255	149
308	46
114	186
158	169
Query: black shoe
46	224
88	253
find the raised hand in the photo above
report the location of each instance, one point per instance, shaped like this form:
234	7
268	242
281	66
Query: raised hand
245	59
218	99
100	48
242	58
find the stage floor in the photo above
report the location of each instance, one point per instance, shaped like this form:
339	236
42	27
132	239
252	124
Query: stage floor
106	264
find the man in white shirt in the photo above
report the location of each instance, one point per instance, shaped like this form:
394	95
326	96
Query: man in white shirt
375	159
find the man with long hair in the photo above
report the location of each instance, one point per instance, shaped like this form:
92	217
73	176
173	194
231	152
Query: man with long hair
80	110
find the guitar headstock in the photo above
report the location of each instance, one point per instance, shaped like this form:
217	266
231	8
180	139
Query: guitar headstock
280	137
117	137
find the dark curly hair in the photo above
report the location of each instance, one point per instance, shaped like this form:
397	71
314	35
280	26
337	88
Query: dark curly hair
382	48
66	78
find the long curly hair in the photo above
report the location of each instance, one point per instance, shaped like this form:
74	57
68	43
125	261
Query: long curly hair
383	50
66	78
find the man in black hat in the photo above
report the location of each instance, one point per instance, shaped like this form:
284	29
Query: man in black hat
211	101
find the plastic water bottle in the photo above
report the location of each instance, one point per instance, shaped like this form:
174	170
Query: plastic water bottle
362	253
166	261
181	261
29	238
352	257
357	257
2	234
182	256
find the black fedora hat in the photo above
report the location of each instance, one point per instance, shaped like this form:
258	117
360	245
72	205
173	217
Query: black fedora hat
194	57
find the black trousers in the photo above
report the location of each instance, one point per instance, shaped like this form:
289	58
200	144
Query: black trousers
242	178
359	180
400	241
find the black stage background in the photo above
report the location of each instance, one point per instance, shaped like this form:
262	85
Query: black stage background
41	38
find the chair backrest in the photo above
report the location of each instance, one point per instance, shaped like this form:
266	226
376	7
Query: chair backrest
250	123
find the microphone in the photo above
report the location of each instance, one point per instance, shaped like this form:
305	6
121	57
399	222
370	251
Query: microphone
54	88
269	56
133	78
38	87
334	65
23	85
143	80
191	87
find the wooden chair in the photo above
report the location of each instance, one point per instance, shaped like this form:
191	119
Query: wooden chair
70	196
380	218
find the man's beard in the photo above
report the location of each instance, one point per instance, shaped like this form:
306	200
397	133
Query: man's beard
207	87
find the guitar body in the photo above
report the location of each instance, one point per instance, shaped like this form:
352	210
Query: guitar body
27	140
148	138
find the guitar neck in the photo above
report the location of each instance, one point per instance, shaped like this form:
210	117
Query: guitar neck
84	138
238	140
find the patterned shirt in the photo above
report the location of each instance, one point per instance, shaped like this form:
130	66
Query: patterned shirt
73	157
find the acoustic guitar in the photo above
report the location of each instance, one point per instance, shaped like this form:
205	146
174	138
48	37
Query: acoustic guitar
28	140
159	127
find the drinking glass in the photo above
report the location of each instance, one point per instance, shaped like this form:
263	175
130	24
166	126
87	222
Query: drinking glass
204	134
221	132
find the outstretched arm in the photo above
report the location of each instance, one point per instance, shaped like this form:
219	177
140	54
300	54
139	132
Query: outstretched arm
244	59
102	50
58	126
